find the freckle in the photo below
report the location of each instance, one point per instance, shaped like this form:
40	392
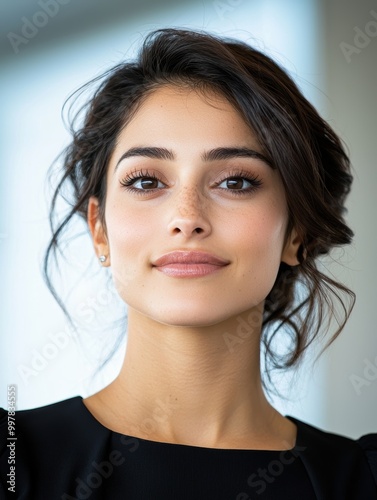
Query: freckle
189	200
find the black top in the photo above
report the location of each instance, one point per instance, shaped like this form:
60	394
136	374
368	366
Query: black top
63	452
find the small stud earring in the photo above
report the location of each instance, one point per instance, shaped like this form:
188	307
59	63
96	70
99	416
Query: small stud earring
102	258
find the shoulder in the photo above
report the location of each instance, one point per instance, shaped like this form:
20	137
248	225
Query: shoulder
330	439
54	417
51	444
51	426
328	455
368	444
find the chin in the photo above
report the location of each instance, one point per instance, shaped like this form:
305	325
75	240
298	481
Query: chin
190	317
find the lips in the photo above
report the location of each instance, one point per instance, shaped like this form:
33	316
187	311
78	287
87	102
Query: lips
188	257
188	264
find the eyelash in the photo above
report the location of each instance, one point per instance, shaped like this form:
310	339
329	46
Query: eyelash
128	181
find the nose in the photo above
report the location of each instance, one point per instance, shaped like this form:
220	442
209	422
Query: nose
190	214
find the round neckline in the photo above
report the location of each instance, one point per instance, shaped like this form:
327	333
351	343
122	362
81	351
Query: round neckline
153	442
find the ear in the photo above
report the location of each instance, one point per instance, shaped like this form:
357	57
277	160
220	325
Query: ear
97	230
291	248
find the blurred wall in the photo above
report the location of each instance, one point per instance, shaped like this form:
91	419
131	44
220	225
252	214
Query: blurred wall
349	46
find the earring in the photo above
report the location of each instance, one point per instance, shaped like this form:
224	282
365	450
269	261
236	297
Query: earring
102	258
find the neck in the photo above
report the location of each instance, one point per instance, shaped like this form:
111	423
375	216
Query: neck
194	385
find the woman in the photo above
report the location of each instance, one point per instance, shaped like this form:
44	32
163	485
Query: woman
210	187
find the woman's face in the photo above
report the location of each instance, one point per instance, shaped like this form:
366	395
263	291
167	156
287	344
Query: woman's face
183	177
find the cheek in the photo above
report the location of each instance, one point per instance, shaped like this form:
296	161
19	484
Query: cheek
128	233
259	231
127	229
258	244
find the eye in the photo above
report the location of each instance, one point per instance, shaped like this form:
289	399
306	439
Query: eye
236	183
145	183
240	183
141	181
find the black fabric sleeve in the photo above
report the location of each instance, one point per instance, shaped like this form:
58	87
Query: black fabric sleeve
3	451
369	445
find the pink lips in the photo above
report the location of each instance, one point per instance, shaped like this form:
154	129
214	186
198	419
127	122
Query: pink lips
189	264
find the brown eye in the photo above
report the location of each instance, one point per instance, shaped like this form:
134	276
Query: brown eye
235	183
139	182
240	184
148	183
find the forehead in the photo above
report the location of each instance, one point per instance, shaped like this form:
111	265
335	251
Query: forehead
191	114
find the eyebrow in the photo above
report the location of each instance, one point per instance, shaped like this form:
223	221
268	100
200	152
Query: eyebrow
224	153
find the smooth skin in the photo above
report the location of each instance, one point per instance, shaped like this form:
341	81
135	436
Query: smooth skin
181	382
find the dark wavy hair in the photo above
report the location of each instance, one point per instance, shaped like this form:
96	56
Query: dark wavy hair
309	156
